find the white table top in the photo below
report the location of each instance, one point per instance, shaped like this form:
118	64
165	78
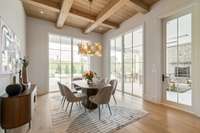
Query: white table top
85	85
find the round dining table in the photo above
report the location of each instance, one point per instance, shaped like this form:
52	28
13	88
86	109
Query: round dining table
89	90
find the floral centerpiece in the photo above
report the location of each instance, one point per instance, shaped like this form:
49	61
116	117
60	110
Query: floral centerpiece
89	75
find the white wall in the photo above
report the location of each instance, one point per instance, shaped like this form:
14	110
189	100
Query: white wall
37	49
13	14
152	47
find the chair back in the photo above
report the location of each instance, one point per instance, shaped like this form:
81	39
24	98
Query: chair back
113	83
60	88
103	95
68	93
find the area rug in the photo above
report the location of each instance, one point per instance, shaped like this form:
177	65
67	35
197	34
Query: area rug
88	122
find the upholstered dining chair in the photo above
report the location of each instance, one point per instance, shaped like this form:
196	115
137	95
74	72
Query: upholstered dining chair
113	83
102	97
72	97
62	93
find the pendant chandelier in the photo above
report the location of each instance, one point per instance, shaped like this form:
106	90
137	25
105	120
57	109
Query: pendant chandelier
89	48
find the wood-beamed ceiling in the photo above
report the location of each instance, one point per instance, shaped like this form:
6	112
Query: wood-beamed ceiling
98	16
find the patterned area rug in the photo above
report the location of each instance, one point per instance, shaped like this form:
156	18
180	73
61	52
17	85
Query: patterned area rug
88	122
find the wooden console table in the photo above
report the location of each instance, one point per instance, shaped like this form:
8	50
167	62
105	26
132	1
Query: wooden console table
17	110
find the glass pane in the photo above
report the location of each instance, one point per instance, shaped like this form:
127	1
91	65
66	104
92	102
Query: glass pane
65	44
128	54
54	55
118	57
138	62
138	54
112	58
54	42
138	37
171	59
65	60
184	80
185	29
171	35
138	79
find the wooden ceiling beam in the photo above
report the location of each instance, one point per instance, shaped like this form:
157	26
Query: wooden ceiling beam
73	12
64	12
108	11
140	6
86	17
41	5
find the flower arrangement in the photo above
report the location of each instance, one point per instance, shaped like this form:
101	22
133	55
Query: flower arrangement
89	75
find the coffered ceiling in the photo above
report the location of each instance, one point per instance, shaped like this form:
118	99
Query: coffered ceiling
90	16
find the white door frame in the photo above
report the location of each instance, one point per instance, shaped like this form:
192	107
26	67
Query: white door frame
164	100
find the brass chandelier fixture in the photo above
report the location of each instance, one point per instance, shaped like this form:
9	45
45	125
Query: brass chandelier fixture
89	48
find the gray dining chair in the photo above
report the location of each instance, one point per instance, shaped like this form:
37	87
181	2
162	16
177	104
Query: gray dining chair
62	93
72	97
113	83
64	97
102	97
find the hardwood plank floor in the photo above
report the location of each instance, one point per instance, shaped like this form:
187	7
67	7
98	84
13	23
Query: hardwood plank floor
160	119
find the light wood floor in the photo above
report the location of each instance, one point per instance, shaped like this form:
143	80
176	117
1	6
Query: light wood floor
159	120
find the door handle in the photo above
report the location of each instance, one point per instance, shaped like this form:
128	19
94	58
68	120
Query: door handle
164	77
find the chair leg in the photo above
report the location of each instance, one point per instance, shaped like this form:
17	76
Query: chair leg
114	99
64	102
109	109
67	107
99	112
71	109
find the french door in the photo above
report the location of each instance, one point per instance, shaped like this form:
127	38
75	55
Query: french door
126	62
133	62
177	80
116	61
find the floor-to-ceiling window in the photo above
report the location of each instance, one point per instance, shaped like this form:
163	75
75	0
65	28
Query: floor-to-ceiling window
127	61
64	60
178	60
133	62
116	60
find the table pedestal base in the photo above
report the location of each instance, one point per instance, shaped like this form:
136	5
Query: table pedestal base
89	92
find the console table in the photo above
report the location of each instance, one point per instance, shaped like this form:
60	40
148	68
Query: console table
17	110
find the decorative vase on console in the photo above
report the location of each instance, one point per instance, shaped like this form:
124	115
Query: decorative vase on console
14	88
25	64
